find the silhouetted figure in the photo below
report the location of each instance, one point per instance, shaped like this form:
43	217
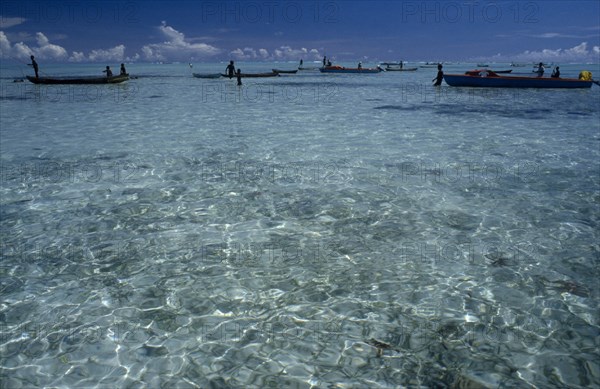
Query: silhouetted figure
556	72
359	65
401	64
324	61
540	70
230	70
239	77
35	66
123	71
329	63
108	71
440	76
301	62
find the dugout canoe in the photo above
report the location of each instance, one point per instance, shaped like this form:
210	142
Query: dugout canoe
487	79
78	80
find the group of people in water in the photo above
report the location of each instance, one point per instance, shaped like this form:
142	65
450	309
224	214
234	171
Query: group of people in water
108	72
230	70
540	72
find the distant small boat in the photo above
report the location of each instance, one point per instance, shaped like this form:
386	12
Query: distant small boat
480	65
340	69
79	80
285	71
207	75
254	75
396	69
490	79
517	65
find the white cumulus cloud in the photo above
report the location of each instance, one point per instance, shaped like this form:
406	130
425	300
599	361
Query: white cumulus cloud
573	54
48	50
579	53
115	54
176	47
20	50
5	48
282	53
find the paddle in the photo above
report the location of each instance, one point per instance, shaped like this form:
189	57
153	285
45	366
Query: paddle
596	82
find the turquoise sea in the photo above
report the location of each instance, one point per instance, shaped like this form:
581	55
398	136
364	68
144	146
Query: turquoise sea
304	231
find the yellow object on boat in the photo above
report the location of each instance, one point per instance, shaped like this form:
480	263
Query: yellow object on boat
585	75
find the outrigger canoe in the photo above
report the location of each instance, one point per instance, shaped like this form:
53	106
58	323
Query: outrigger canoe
207	75
78	80
488	79
251	75
285	71
340	69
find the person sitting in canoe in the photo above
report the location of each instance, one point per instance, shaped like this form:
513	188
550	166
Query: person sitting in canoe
35	66
440	76
359	65
540	70
556	72
123	71
230	69
108	71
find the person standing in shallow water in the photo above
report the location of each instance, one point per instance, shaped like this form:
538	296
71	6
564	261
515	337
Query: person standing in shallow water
440	76
35	66
239	77
230	70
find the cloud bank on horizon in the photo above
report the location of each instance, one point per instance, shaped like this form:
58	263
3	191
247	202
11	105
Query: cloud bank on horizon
175	47
442	30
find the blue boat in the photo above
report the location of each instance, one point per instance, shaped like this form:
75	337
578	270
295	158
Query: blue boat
489	79
340	69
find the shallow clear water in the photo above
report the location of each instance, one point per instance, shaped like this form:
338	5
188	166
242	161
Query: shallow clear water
180	232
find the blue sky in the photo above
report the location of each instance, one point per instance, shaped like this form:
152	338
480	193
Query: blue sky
108	31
